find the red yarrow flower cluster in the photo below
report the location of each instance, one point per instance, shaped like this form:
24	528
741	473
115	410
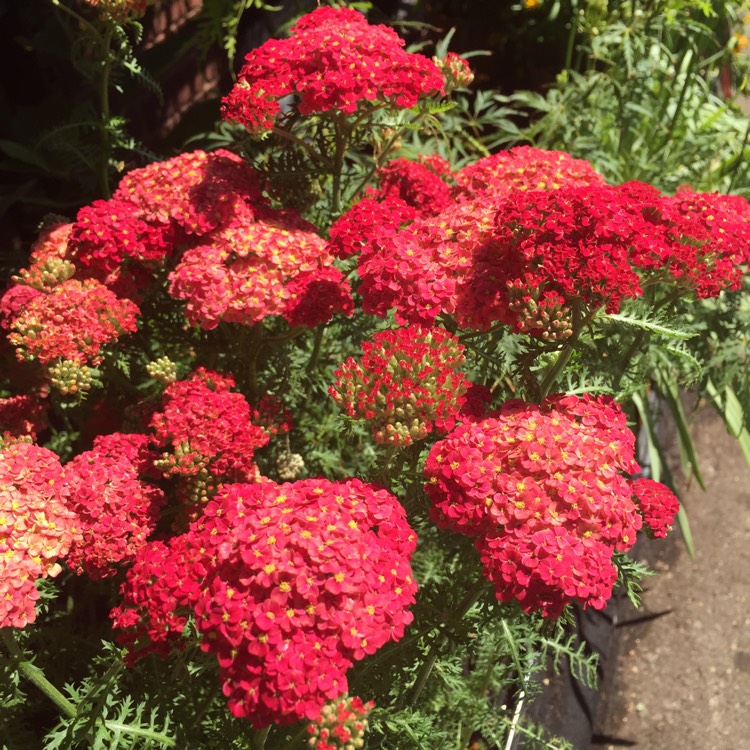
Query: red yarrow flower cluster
415	184
341	724
74	321
36	527
542	489
657	504
206	433
116	505
333	60
290	585
406	384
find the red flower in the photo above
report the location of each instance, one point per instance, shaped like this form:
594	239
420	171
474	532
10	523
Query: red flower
74	321
333	59
657	504
542	490
406	385
117	507
290	584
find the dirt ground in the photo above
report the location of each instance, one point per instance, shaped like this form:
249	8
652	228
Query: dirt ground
683	659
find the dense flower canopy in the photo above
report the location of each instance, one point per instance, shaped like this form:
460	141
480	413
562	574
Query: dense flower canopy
333	60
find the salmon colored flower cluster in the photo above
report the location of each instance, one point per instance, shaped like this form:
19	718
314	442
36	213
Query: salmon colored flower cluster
256	266
74	321
290	585
116	504
332	60
525	168
36	527
542	489
341	725
406	384
206	434
456	71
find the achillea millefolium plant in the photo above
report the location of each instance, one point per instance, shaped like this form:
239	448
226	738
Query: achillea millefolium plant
332	475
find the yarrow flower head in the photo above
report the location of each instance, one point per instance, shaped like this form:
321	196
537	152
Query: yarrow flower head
406	384
191	194
116	504
414	183
456	71
22	415
290	585
74	321
333	59
341	725
657	504
525	168
37	528
542	489
207	434
261	265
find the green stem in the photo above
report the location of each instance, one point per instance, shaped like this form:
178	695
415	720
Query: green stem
312	153
296	740
260	737
105	111
315	356
571	36
35	675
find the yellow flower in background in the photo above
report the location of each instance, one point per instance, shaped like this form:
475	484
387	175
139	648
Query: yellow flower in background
531	4
740	42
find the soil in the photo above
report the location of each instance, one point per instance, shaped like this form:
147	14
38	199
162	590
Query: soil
682	676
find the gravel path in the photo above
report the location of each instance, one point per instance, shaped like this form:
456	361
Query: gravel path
683	677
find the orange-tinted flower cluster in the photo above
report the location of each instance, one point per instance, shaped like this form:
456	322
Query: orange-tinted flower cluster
290	585
74	321
406	385
116	505
341	725
541	488
36	527
255	266
207	434
333	60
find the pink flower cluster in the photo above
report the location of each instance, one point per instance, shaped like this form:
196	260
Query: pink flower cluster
406	385
414	183
290	585
333	60
207	434
116	505
341	724
36	527
22	415
541	488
